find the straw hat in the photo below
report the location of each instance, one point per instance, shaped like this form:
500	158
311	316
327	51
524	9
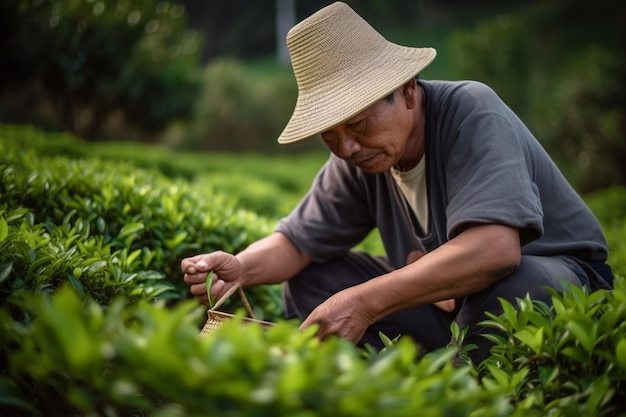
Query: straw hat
343	66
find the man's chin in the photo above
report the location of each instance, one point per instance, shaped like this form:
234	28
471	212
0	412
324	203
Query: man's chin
374	170
375	165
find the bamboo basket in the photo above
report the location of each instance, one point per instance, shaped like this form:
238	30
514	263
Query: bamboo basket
215	318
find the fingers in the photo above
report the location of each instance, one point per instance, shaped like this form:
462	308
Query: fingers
341	316
196	270
204	299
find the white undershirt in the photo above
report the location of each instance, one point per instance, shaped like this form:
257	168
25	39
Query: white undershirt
412	183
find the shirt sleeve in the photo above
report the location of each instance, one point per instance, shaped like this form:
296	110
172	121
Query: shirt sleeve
488	171
333	216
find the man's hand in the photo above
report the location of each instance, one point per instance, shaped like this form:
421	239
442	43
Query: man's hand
343	315
226	270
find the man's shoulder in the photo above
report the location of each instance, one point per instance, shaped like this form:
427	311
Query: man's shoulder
462	88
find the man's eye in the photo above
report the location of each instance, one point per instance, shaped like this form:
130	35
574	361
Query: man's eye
356	125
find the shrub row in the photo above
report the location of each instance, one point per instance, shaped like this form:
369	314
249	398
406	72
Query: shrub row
105	225
77	358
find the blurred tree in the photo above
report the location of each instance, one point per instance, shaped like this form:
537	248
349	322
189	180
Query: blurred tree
234	28
586	126
496	53
91	58
246	29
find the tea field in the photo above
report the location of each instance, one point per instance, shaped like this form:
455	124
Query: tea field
95	319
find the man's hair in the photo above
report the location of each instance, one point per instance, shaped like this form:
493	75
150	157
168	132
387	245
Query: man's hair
389	99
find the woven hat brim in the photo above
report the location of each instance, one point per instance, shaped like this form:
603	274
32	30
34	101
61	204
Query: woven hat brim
337	100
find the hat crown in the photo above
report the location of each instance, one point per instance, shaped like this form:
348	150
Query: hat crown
329	44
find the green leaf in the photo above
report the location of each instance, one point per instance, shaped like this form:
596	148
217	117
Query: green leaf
100	225
76	284
620	354
533	340
131	258
4	229
519	377
500	376
455	331
385	339
209	281
547	374
5	271
574	353
582	335
131	228
176	240
77	272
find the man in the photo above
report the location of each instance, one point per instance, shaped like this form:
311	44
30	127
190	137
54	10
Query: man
469	206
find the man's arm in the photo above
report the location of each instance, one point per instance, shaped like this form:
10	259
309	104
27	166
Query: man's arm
271	260
467	264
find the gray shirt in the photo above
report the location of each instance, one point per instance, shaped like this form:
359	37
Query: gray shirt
483	166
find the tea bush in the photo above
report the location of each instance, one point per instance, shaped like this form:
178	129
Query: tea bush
568	359
107	224
95	319
77	358
144	359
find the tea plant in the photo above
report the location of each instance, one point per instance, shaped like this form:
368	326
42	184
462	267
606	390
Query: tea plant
144	358
567	359
94	222
94	318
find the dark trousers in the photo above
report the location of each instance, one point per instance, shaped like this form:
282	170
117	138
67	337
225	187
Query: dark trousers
428	325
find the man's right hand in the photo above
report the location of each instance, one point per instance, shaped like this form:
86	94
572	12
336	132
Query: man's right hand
226	270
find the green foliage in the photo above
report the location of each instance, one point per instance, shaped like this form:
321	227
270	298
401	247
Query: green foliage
240	109
567	359
577	111
107	225
586	124
496	52
609	205
144	358
87	59
94	321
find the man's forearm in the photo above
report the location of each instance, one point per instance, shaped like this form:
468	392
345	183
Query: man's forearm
465	265
271	260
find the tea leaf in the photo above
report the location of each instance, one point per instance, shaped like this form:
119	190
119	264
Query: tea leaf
5	271
76	284
208	283
4	229
582	335
131	228
500	376
620	354
533	340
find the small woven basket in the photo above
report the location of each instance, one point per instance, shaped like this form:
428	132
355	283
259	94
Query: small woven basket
215	318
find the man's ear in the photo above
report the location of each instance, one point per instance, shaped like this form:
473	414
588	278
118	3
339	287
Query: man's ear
410	93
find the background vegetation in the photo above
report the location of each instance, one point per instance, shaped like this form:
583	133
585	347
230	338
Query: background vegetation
204	75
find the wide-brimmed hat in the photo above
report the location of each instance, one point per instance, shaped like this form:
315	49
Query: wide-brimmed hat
343	66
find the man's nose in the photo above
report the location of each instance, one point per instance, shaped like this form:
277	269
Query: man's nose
347	145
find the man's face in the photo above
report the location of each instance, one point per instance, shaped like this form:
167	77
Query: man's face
375	139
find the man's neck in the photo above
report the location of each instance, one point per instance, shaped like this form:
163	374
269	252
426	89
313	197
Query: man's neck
415	147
